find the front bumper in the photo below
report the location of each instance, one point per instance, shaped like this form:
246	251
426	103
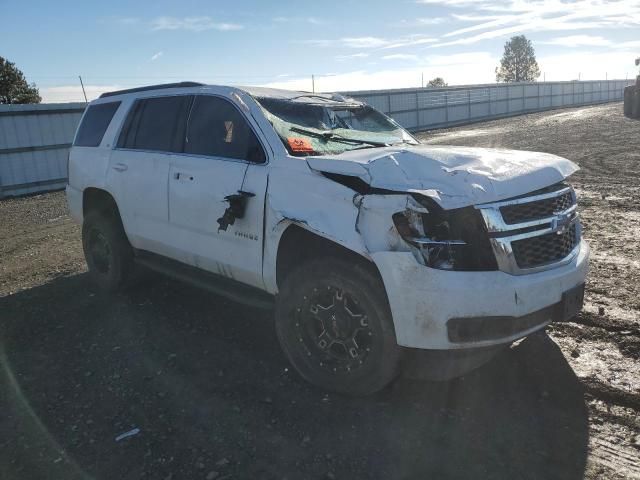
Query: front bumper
423	300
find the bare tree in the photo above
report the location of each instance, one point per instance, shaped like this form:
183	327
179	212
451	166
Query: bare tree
518	62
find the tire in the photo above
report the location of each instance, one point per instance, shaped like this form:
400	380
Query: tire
107	251
334	324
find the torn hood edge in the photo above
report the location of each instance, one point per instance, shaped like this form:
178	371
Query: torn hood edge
454	177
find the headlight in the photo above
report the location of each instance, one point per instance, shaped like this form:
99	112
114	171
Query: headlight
446	240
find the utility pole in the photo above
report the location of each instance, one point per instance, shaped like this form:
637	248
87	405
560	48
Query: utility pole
422	80
83	92
579	75
313	83
544	76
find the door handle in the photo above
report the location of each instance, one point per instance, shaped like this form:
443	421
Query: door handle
120	167
182	176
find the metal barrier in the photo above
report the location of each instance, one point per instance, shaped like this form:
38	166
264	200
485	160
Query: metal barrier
35	139
34	145
428	108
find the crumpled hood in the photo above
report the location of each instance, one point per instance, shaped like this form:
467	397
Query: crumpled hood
453	176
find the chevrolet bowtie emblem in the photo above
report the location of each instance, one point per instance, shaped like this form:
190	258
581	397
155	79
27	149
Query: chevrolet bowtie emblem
560	223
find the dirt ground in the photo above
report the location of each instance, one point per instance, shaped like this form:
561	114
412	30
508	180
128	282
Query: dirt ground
205	383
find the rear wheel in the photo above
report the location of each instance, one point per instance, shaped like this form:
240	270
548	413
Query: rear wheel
107	251
334	324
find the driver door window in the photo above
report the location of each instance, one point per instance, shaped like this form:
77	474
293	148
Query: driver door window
217	129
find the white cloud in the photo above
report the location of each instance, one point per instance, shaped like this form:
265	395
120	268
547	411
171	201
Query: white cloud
373	42
503	18
195	24
518	16
430	20
632	44
410	41
156	56
467	58
422	22
342	58
590	65
310	20
474	18
363	42
400	56
578	41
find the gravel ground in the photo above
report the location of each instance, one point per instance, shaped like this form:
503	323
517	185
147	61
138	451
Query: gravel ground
205	383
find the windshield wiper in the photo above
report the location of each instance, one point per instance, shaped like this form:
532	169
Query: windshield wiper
329	135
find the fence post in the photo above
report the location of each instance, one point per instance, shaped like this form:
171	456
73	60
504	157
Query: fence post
469	104
417	111
489	92
446	107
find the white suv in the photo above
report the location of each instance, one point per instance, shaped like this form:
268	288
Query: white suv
364	240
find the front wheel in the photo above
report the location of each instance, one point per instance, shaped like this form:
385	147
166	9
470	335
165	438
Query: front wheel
334	324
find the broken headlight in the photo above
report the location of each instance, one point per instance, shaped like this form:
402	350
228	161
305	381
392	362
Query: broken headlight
446	240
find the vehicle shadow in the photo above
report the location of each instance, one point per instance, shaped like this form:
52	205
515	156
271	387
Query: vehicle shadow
205	382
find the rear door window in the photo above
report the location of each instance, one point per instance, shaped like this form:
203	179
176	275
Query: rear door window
95	123
216	128
156	124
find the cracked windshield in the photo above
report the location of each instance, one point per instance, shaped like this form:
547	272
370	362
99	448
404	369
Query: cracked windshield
328	126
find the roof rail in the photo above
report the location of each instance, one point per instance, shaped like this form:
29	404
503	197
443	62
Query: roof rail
152	87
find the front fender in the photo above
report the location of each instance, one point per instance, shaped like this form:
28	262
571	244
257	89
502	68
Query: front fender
360	223
314	203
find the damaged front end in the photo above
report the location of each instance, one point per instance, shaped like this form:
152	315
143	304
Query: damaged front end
446	240
468	295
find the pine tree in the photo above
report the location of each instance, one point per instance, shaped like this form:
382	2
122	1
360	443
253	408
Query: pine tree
518	62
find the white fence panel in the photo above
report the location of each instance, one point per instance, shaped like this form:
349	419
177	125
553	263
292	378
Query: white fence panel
428	108
34	144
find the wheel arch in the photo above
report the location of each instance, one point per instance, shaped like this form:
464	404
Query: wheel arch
298	243
98	199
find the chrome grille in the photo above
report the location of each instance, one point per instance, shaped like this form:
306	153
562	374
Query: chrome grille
544	249
535	232
523	212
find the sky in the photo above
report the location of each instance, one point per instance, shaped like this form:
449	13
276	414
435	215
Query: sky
346	45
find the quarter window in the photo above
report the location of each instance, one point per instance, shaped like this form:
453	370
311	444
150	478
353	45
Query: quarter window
95	123
216	128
